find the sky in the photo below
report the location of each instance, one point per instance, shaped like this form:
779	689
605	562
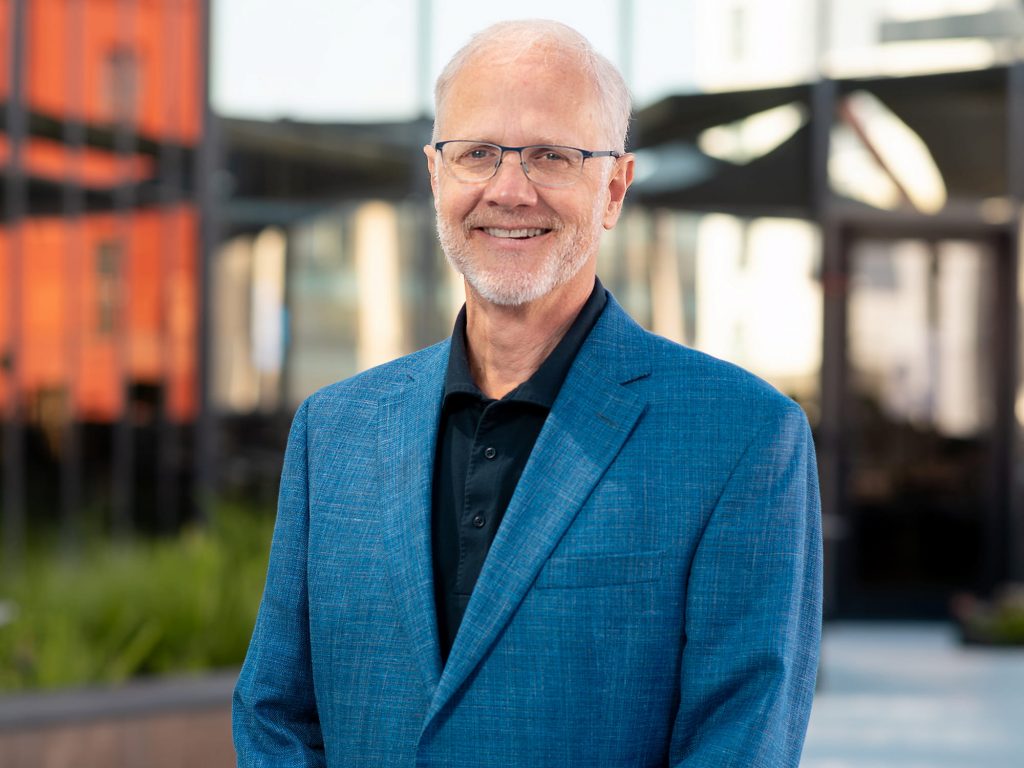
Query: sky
367	60
359	60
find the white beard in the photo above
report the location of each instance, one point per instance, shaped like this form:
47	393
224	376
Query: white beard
510	285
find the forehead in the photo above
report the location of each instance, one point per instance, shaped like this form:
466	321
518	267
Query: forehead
541	95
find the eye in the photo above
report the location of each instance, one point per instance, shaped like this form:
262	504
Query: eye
549	156
477	153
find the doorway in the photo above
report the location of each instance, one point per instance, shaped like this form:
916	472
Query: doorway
927	420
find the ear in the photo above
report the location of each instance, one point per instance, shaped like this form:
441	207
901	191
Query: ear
618	183
431	154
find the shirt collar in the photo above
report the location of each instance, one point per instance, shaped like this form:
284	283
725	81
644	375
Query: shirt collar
543	386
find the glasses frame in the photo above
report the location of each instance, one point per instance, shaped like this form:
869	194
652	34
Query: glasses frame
587	154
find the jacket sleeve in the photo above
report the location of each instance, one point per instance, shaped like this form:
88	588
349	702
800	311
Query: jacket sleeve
753	610
274	714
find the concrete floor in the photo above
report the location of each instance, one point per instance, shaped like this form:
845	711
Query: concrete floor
910	696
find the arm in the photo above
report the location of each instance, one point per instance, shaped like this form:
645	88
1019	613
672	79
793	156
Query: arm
753	610
274	716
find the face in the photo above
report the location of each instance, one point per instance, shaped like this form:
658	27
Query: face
513	241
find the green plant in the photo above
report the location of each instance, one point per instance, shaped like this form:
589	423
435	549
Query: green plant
140	607
999	621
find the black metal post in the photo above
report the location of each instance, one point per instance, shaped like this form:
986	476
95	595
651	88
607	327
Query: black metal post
73	204
1001	545
424	50
170	161
627	14
14	215
1015	133
1015	160
123	491
831	427
207	200
423	251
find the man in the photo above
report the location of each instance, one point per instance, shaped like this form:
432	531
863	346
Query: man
556	539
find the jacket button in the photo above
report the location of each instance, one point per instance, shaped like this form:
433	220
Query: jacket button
489	452
479	521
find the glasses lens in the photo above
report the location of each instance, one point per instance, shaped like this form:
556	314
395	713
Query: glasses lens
547	165
470	160
553	166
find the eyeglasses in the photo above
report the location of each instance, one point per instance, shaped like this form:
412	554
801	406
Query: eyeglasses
548	165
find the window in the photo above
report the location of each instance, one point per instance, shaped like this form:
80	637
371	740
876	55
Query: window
108	258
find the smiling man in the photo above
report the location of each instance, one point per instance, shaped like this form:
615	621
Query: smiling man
554	539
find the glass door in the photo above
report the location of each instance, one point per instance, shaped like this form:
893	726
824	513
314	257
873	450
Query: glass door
921	473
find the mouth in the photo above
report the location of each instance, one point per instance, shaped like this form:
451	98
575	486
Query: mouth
515	234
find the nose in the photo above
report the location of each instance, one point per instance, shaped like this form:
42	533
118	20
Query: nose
510	186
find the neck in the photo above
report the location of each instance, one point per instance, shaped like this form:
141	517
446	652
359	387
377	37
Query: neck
506	345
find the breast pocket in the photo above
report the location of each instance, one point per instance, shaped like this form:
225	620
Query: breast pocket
600	570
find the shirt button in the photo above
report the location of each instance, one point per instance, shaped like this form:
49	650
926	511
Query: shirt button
479	521
489	452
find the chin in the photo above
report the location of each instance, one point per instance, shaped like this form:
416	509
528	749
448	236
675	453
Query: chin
507	291
506	286
511	288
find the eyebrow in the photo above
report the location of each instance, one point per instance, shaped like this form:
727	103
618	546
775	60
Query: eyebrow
544	141
556	142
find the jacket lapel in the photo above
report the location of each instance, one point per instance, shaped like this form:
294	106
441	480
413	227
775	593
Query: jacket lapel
407	436
590	421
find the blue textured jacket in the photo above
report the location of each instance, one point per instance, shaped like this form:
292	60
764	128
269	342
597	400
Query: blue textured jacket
652	597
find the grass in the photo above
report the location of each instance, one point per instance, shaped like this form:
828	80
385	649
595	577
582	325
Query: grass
135	608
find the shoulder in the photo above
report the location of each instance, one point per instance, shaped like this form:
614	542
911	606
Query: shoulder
721	411
698	392
707	376
687	392
676	373
363	391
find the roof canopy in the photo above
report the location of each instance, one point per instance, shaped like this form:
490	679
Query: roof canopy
961	119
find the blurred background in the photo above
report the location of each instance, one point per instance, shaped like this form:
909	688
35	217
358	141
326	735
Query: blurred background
211	208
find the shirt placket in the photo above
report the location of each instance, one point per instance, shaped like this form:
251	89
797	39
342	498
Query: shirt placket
479	515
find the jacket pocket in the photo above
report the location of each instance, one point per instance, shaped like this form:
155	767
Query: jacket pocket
600	570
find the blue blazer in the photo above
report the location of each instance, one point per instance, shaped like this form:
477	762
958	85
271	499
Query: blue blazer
652	596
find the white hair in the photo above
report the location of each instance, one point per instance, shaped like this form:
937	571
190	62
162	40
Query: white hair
513	39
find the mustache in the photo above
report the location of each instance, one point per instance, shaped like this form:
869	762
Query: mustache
479	221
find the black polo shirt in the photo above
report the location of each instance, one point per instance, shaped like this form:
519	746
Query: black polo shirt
482	448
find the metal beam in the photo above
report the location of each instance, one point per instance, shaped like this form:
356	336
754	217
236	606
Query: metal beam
123	474
424	55
208	204
1015	129
171	173
73	209
1015	161
831	427
14	214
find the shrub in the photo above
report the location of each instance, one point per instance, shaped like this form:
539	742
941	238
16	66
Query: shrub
141	607
999	621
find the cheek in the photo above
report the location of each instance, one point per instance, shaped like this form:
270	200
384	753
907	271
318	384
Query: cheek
452	202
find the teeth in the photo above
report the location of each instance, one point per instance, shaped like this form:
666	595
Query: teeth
518	233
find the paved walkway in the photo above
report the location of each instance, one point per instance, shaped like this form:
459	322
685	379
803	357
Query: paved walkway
167	723
909	696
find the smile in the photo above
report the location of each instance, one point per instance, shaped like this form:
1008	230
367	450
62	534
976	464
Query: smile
517	234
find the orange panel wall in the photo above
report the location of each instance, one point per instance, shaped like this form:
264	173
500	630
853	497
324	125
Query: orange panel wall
151	331
5	32
72	50
77	52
